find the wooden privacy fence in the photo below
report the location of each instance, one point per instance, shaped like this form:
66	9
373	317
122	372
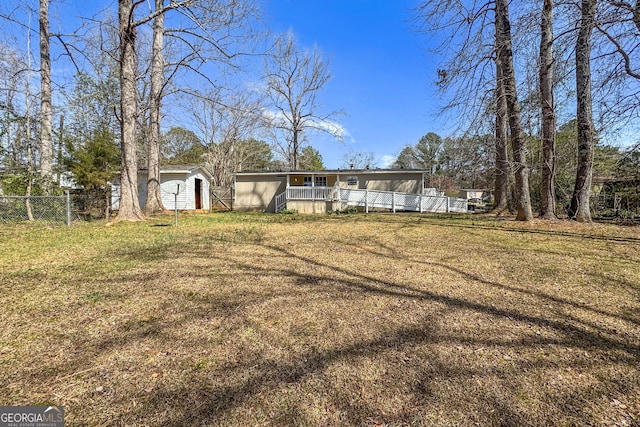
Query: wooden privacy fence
221	198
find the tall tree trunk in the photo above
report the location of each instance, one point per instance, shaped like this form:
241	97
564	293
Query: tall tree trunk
154	197
129	206
60	145
548	193
501	184
295	144
579	208
46	126
27	130
518	142
30	174
107	203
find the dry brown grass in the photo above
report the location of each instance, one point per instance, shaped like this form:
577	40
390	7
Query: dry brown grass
383	319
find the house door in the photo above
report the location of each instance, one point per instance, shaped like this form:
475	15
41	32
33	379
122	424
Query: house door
198	193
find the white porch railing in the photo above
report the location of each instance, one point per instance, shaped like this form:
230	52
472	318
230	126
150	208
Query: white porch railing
373	199
311	193
281	201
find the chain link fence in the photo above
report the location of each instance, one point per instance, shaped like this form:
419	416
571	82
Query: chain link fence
44	209
52	210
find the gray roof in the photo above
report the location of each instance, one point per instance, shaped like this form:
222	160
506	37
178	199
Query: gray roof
181	169
331	172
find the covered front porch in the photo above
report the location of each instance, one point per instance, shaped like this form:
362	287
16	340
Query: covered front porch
310	193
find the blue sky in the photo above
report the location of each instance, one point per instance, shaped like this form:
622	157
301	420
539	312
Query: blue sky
382	72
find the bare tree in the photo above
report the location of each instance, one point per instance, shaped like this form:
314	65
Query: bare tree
579	209
228	121
547	105
465	78
206	33
154	198
518	141
615	65
46	125
129	205
358	160
294	79
12	81
45	122
475	39
502	166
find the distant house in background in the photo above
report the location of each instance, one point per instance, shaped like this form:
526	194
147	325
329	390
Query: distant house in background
315	191
474	194
191	182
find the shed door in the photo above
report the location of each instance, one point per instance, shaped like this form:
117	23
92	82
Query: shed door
198	193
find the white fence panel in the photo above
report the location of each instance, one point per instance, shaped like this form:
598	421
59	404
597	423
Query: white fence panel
353	197
375	199
434	204
407	202
380	199
458	205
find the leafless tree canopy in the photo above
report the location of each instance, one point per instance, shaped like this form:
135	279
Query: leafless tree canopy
294	79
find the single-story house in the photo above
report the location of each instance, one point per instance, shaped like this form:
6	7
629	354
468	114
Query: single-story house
315	191
192	183
474	193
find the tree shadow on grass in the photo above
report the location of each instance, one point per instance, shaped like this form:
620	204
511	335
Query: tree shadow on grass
214	395
210	399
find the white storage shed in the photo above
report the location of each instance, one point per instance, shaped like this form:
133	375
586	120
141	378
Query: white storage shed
191	182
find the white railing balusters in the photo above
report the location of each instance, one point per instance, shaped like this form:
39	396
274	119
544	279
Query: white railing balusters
373	199
281	201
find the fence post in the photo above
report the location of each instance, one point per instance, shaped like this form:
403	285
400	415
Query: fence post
420	201
448	203
366	201
68	208
175	206
393	202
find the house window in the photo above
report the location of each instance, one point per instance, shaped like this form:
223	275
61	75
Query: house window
321	181
352	181
307	181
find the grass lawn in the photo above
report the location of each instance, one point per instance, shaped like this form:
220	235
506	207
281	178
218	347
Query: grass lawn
247	319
